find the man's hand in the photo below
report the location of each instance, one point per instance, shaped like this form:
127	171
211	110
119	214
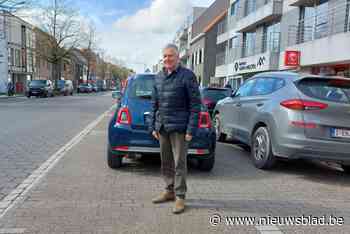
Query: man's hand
155	135
188	137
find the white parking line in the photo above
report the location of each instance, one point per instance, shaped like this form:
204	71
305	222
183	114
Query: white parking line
12	231
18	194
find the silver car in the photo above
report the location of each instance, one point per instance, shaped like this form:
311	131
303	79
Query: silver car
289	115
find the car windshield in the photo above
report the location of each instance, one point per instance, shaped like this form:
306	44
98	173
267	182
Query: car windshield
142	87
334	90
38	83
215	94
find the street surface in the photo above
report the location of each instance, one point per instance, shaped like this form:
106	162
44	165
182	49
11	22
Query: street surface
82	195
31	130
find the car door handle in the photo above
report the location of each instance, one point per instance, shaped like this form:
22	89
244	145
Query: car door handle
260	104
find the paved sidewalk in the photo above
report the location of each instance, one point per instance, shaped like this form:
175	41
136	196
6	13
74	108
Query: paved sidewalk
82	195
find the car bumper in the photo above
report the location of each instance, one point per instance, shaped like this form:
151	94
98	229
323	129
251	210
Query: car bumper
124	140
314	149
36	93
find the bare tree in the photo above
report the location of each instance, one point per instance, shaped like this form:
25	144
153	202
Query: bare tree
102	65
90	46
62	26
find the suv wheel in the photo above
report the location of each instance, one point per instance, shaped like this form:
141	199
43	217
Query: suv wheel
217	124
207	164
114	161
262	150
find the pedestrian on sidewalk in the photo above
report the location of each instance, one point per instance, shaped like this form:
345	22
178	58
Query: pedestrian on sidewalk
173	121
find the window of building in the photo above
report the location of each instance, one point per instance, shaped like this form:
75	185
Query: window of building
271	38
314	21
249	40
200	56
17	58
234	7
250	6
12	57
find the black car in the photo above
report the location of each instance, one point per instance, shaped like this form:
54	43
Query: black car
210	96
40	88
84	88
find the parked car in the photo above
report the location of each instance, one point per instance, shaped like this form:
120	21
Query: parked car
69	88
210	96
289	115
84	88
64	87
102	85
94	88
40	88
128	132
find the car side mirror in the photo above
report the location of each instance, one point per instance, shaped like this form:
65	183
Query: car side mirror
234	93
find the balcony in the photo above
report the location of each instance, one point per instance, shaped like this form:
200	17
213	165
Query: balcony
184	52
325	24
306	3
267	13
322	38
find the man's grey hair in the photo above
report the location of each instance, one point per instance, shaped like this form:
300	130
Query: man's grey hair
171	46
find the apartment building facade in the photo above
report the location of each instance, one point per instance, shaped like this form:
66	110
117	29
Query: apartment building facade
264	35
203	41
17	52
183	35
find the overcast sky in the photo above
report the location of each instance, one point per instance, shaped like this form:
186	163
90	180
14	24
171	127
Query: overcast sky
136	30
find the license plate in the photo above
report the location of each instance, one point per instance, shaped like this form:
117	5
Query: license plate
340	133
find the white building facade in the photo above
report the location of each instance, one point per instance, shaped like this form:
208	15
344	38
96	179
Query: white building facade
17	52
265	35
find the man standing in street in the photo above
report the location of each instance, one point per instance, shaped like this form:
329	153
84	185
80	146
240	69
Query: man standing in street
173	121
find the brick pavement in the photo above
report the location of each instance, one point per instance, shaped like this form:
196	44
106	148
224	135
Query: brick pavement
82	195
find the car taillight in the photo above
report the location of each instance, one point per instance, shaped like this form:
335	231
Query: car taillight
299	104
204	120
124	116
207	101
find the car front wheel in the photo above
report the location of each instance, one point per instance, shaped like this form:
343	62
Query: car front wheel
217	123
114	161
261	152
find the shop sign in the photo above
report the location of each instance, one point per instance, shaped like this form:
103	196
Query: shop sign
292	58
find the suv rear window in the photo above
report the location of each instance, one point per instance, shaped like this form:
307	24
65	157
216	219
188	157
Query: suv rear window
333	90
142	87
215	94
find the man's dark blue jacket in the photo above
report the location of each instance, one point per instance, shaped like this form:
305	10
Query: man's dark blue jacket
176	102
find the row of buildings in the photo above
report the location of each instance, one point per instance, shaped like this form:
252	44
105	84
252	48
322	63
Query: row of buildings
232	40
22	60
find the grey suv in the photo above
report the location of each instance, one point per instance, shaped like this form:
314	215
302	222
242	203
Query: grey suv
289	115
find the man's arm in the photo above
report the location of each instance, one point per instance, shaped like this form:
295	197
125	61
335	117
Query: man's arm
194	102
154	109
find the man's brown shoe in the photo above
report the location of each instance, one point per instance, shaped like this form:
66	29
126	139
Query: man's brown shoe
179	206
164	197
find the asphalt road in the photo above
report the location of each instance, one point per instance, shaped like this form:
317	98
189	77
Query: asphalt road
31	130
